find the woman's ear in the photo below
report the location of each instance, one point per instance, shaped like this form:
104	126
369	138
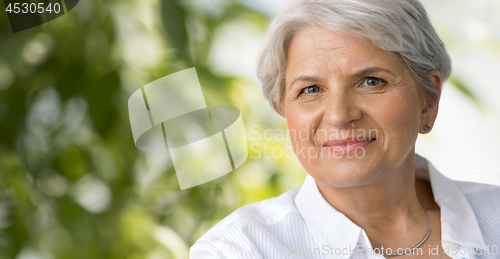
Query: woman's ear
430	110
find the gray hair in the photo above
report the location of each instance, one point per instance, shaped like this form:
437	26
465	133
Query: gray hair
400	27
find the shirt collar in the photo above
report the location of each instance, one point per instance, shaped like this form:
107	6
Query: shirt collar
332	228
328	226
459	225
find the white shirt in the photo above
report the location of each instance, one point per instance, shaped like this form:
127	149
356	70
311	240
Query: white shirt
301	224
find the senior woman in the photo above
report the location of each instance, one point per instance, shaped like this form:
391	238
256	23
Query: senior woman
363	78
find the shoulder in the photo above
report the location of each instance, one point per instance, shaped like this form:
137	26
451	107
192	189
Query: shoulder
484	200
237	234
478	189
481	196
262	213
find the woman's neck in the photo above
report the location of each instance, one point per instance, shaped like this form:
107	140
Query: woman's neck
385	207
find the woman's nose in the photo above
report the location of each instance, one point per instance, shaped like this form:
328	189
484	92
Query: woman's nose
341	109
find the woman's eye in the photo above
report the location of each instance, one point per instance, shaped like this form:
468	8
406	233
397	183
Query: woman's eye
311	89
373	81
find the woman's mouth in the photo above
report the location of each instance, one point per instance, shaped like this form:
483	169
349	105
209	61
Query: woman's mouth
348	146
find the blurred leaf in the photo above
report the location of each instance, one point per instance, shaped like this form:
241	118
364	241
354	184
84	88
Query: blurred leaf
174	18
459	84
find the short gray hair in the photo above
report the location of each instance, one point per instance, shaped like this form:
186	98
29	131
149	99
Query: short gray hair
399	27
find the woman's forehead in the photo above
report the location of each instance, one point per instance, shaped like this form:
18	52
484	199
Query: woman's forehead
316	49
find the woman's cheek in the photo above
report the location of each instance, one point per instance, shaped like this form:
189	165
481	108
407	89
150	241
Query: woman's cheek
301	126
398	121
298	128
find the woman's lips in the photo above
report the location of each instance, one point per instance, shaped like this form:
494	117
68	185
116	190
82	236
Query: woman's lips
347	146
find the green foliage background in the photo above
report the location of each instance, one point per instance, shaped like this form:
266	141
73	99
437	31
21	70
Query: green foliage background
65	132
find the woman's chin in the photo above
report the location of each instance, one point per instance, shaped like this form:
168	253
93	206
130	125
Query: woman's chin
344	172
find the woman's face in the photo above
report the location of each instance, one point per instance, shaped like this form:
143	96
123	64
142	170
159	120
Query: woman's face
353	111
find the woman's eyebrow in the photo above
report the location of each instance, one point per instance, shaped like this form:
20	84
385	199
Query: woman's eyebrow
310	79
371	70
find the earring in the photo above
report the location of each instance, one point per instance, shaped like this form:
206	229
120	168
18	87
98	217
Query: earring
427	127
